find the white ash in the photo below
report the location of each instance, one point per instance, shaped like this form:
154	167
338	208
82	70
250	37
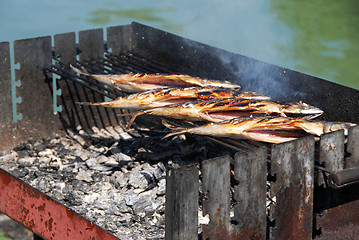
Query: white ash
98	176
113	178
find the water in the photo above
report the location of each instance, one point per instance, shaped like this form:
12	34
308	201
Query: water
316	37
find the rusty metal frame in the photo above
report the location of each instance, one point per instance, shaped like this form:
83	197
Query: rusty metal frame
43	215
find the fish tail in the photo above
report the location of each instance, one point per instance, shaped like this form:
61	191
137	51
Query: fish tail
82	72
92	104
86	103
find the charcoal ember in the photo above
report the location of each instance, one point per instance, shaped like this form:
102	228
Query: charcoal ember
131	198
119	179
139	179
20	173
161	190
43	183
84	176
26	161
74	198
24	150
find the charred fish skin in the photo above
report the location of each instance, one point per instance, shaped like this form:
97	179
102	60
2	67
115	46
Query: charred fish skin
272	129
238	128
136	82
302	108
167	96
217	110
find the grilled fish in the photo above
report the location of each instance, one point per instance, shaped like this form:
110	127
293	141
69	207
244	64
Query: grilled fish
137	82
167	96
216	110
272	129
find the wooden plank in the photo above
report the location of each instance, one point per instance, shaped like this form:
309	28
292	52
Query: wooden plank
216	187
250	170
292	164
181	209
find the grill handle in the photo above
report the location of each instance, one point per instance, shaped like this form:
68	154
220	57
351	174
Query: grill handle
343	178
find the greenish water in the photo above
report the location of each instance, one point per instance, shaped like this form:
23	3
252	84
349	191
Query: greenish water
319	37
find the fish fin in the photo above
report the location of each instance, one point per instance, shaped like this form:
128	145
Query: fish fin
86	103
310	117
175	133
167	124
171	126
205	116
82	72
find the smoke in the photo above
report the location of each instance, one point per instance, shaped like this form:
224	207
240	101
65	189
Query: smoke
261	77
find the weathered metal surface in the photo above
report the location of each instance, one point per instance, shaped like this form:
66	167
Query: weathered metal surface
181	208
216	174
65	47
331	152
340	222
338	209
91	44
344	177
119	39
38	120
91	47
65	51
42	215
250	170
331	157
353	148
292	164
6	128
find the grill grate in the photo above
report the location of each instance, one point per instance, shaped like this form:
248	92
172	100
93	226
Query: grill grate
122	64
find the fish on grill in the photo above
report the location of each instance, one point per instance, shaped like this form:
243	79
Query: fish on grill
137	82
271	129
216	110
167	96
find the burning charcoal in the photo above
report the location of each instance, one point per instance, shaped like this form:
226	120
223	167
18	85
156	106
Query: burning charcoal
26	162
74	198
119	179
19	173
24	150
46	153
40	145
84	176
161	187
139	179
131	198
145	202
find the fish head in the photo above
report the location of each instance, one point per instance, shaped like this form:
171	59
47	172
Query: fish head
302	108
335	126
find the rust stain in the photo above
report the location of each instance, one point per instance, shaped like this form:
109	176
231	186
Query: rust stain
19	201
331	148
5	179
42	207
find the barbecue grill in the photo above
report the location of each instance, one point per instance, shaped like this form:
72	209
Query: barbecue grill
312	184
